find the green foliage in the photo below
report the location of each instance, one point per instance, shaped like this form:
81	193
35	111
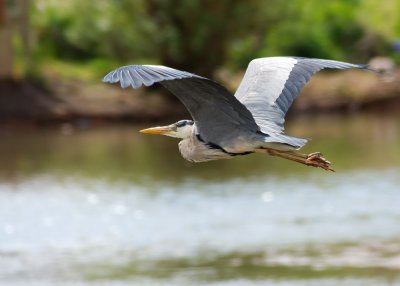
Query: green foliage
352	30
200	35
82	30
196	34
315	30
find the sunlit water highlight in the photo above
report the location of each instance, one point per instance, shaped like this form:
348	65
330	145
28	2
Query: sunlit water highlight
108	207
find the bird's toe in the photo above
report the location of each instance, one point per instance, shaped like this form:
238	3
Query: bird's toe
316	160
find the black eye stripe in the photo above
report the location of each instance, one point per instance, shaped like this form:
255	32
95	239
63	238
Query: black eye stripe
180	124
184	123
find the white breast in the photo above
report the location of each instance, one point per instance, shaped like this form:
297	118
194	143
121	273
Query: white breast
194	150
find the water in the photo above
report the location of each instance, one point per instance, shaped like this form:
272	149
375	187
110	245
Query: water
82	205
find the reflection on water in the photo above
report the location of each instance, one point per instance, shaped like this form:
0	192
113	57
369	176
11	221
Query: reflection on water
121	153
109	206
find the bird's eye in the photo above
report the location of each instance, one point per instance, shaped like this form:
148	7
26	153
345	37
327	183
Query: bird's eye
183	123
180	123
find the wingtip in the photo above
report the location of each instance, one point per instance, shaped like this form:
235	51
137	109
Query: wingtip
107	77
145	75
363	66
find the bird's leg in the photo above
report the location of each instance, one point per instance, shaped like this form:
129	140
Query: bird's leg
313	159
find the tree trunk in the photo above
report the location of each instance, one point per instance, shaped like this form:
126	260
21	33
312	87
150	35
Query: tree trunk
6	50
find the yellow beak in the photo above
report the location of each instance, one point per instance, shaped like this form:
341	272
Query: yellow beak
157	130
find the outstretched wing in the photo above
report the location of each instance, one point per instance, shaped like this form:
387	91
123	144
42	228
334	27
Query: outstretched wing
219	116
270	85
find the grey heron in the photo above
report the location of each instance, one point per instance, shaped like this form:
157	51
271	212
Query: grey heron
226	125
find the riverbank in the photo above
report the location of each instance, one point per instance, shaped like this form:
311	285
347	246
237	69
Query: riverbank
69	99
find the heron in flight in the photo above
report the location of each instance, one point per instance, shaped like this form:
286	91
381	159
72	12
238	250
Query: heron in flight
226	125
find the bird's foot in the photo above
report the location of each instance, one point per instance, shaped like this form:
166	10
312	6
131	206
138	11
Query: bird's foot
316	160
313	159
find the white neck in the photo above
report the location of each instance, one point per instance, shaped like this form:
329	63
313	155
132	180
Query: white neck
184	131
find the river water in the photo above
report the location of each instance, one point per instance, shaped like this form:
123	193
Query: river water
105	205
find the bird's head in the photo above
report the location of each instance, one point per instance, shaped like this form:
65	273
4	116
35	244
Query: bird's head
181	129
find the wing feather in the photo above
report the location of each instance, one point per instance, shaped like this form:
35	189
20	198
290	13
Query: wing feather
220	118
270	86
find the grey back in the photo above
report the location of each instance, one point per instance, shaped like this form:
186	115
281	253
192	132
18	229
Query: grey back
218	115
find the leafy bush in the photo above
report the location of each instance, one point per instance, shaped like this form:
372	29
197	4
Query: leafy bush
200	35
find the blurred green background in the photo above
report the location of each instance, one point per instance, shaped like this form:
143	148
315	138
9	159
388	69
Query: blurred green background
87	200
196	35
59	50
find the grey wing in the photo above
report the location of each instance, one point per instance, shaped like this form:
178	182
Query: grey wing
219	116
270	85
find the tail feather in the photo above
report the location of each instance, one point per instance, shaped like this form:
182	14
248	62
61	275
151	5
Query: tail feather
295	142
